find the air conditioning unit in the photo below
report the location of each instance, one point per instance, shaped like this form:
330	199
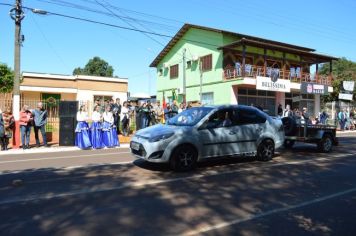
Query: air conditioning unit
165	65
195	58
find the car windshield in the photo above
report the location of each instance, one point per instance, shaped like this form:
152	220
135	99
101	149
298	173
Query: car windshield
189	117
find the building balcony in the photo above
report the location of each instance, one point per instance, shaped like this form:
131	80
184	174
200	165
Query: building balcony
294	74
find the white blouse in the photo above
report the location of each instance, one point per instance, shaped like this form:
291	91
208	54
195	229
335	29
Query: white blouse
96	116
108	117
124	111
82	116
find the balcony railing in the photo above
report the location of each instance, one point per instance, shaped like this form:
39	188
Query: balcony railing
294	75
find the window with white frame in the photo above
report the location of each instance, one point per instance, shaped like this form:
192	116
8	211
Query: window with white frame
207	98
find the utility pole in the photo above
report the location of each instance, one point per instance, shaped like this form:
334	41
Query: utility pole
184	76
17	15
201	82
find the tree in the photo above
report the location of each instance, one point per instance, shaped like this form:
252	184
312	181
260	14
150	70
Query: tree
343	70
97	67
6	78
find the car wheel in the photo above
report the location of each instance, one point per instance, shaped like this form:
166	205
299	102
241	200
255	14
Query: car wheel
265	150
326	144
288	143
184	158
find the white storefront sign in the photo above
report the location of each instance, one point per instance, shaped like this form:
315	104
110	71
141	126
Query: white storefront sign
348	85
265	83
345	96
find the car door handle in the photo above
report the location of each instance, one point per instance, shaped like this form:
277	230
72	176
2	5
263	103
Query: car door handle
232	132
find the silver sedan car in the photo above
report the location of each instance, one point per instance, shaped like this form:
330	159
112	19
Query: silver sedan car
200	133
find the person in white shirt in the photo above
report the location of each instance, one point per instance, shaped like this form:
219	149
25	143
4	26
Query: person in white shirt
96	136
82	139
109	131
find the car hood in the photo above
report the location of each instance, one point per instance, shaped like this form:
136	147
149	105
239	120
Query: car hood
155	130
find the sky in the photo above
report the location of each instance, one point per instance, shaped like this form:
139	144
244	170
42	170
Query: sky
57	45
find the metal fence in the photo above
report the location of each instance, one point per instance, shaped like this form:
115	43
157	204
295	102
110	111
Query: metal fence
52	108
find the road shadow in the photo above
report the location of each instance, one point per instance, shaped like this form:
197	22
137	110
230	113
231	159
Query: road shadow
148	199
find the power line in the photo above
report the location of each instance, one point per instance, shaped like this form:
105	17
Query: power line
147	35
85	8
117	26
49	43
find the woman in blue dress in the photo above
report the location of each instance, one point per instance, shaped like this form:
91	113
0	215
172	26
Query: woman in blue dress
96	135
82	139
110	138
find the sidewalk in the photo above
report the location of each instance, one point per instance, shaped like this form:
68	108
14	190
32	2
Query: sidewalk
54	148
346	132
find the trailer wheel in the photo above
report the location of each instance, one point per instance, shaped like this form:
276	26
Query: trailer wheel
326	143
288	143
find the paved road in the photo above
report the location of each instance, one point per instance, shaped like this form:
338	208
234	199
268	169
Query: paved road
107	192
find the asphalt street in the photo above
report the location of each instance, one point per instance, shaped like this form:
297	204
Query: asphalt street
108	192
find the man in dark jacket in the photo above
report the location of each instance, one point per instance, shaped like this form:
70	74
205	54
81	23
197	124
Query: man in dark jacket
116	112
40	121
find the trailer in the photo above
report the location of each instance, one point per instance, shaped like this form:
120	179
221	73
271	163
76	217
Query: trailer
299	130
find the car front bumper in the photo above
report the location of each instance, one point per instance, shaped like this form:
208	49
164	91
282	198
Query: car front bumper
149	151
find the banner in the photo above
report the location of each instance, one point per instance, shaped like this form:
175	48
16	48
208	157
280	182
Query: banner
312	88
266	83
348	85
345	96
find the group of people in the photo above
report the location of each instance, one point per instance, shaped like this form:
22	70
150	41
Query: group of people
102	131
148	114
347	119
36	118
303	115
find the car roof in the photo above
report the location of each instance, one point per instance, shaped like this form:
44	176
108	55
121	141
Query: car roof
231	106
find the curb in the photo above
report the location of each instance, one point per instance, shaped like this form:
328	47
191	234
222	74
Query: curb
52	149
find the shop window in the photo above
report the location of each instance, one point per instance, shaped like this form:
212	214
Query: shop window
173	71
242	91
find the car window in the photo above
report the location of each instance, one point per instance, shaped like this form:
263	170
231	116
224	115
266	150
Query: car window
247	116
189	117
221	118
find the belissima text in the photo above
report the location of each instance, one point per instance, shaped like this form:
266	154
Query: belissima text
273	85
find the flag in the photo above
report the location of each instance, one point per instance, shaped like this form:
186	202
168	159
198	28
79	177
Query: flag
164	105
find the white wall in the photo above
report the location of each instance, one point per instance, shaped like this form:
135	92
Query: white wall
85	95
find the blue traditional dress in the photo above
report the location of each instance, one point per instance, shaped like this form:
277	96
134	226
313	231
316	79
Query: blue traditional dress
110	138
82	139
96	135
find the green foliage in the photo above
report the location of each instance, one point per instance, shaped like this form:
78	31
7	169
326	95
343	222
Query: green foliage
342	70
97	67
6	78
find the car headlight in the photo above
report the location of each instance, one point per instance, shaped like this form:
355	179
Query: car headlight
160	137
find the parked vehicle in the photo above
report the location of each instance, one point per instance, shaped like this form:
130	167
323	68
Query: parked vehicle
298	130
200	133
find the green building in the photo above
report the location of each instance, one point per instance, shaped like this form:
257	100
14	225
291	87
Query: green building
212	66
